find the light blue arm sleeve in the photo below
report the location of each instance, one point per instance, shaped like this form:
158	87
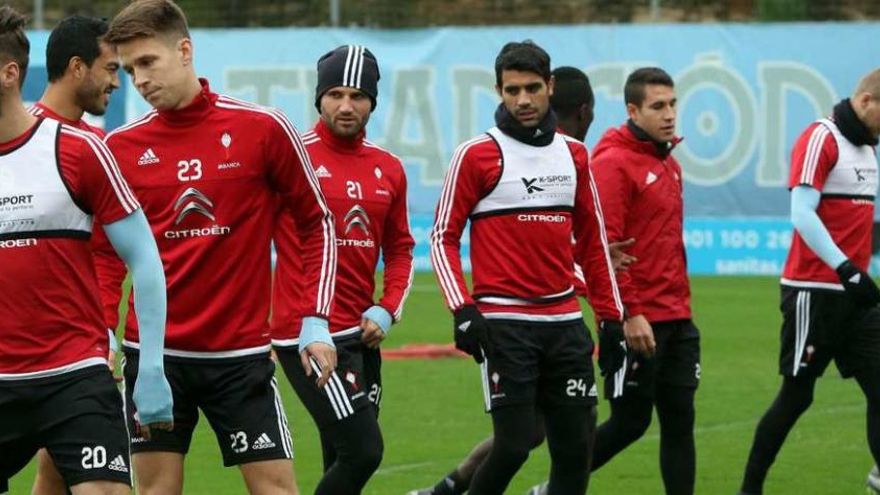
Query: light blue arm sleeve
134	243
804	201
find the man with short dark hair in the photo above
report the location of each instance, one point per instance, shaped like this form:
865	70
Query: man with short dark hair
828	299
83	71
573	103
640	186
56	391
525	327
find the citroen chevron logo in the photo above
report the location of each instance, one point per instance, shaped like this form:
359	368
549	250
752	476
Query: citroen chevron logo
357	217
193	201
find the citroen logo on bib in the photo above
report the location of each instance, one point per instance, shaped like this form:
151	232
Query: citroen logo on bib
357	218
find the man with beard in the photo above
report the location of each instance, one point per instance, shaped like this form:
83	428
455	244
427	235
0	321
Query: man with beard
527	190
573	102
55	389
365	187
83	71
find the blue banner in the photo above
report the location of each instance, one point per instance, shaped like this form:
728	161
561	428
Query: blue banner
745	92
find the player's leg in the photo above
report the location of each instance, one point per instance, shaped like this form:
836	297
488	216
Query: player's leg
355	442
513	427
860	346
678	460
808	317
631	396
158	462
629	420
570	432
275	477
101	488
48	480
241	401
510	380
359	448
86	434
345	411
793	399
677	375
567	397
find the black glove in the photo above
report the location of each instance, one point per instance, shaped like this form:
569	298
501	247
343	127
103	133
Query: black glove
612	347
471	332
858	284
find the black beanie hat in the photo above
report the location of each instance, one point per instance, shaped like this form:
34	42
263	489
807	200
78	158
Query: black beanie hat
352	66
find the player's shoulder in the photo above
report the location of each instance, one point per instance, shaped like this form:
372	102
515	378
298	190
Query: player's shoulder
132	129
381	154
478	147
577	148
247	114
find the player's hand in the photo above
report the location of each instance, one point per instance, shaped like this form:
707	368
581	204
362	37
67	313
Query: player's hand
612	347
471	332
858	284
620	260
372	334
319	358
375	324
153	401
639	335
316	350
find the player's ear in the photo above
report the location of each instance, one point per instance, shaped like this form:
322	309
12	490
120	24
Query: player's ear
551	83
632	110
77	67
185	47
9	75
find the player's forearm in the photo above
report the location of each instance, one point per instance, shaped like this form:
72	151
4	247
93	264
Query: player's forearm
134	242
804	201
397	278
319	264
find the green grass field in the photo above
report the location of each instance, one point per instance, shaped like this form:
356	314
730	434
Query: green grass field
432	412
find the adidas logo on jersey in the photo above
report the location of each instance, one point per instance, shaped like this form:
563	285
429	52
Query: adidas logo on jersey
323	173
118	464
148	158
652	178
263	442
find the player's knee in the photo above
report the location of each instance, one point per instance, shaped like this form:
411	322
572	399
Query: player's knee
367	459
633	426
513	451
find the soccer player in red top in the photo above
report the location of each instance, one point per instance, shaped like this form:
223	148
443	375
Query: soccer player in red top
56	391
527	189
209	170
829	302
365	187
640	186
83	71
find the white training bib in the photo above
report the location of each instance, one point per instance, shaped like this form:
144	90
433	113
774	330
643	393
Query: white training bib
34	200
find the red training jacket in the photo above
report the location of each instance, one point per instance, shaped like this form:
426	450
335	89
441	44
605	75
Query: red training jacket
210	176
365	187
641	192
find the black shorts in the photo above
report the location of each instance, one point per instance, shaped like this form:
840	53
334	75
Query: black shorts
355	385
818	326
239	398
538	363
76	416
675	363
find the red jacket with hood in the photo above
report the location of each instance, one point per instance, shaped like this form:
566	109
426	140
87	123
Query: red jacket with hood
640	189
